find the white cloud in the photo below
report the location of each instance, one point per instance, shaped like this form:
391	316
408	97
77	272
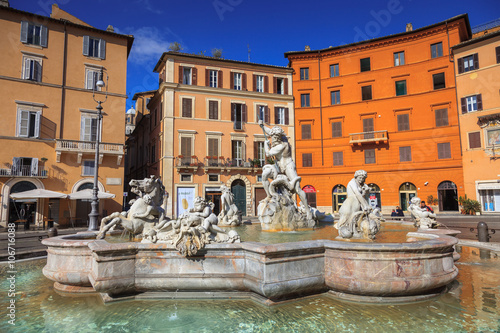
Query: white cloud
147	5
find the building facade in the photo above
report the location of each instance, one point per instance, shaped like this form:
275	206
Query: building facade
386	105
477	65
48	72
208	109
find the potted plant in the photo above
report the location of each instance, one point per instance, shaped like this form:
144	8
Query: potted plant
469	206
431	201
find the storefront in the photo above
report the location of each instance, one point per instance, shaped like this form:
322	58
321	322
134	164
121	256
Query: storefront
488	193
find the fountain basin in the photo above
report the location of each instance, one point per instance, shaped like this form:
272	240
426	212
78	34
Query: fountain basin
356	271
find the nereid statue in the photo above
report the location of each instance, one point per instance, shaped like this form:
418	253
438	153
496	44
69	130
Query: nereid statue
357	218
229	214
422	218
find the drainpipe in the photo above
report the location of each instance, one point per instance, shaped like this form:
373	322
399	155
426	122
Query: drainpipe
63	88
320	110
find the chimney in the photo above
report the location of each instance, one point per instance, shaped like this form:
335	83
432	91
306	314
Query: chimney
409	27
307	48
110	28
4	3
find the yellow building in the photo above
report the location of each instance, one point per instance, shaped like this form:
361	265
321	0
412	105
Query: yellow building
48	72
477	67
208	110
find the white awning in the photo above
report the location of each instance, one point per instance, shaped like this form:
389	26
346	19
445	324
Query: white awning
87	195
38	193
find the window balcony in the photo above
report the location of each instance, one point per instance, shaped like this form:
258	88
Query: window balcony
368	137
87	147
24	171
187	164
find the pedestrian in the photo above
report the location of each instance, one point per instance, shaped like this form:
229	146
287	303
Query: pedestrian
423	205
399	211
394	213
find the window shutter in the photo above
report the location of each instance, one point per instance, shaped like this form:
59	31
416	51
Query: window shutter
368	125
233	111
90	79
233	149
474	140
463	101
194	76
286	116
34	166
37	124
244	113
27	63
254	82
267	115
276	118
255	149
24	31
460	63
85	45
207	77
231	81
187	107
181	74
23	123
220	79
16	164
476	61
479	100
285	83
275	85
38	71
266	84
243	81
102	49
43	41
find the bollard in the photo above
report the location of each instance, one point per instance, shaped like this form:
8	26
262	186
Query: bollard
482	232
52	232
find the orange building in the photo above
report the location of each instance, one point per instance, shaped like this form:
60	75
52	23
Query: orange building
208	110
386	105
48	72
477	64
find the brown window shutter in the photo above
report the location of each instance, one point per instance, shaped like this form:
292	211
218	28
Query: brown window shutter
275	115
243	81
463	101
266	84
231	81
267	115
233	149
187	107
255	149
460	63
479	100
244	113
207	78
233	108
194	76
286	116
474	140
254	83
476	61
285	83
220	79
181	73
275	85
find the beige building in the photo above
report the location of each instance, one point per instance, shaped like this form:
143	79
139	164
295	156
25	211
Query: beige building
49	67
207	110
477	66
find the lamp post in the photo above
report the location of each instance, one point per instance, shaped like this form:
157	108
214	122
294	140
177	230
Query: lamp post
94	213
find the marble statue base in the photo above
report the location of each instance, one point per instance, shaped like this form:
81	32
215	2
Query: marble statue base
281	214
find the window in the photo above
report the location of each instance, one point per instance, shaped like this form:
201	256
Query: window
263	113
237	81
444	150
306	131
259	152
88	130
32	69
368	128
438	81
307	160
437	50
337	129
213	147
335	97
304	100
468	63
28	123
88	168
185	178
186	75
259	83
186	149
334	70
441	117
280	86
238	115
187	108
213	177
405	154
364	64
214	75
474	140
213	110
401	88
472	103
370	156
33	34
338	158
94	47
281	116
304	74
403	122
91	78
237	152
366	93
399	58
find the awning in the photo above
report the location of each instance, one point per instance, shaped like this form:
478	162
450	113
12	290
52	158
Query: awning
87	195
38	193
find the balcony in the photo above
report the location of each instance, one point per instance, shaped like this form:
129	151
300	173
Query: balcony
87	147
217	164
24	171
368	137
187	163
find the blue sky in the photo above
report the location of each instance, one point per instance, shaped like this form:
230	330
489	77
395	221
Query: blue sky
270	28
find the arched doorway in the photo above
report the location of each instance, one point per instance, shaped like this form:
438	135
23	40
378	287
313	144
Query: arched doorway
22	209
238	188
374	196
339	194
447	196
406	192
310	195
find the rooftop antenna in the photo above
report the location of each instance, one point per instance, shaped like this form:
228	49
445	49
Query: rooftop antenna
248	47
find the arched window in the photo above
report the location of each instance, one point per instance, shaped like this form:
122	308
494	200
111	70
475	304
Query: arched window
374	196
406	192
85	186
339	194
310	195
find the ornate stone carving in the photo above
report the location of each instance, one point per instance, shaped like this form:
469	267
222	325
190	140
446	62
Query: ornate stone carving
357	218
229	214
422	218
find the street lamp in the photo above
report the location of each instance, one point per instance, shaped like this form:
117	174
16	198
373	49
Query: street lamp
94	213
